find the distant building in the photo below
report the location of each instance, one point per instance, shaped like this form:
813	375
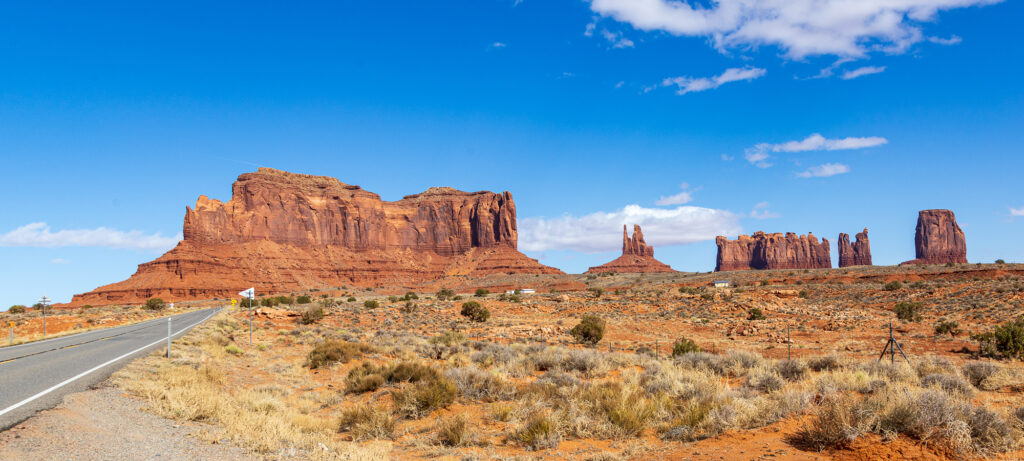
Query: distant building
721	284
522	291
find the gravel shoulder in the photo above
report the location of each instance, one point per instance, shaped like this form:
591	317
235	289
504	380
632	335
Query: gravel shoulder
104	424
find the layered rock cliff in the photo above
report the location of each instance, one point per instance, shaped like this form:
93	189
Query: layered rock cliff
636	256
856	254
285	232
772	251
938	239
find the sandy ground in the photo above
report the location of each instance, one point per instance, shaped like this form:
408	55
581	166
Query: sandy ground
104	424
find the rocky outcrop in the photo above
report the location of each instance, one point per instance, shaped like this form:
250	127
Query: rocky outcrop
938	239
772	251
636	256
284	232
856	254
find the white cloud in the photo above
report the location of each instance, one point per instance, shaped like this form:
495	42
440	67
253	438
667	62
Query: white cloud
58	261
759	154
862	71
953	40
616	39
728	158
498	45
1017	211
620	84
39	235
602	231
824	171
677	199
761	211
846	28
692	84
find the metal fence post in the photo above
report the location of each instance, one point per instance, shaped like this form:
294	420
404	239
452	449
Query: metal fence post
168	337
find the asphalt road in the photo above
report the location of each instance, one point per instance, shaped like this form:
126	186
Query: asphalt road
36	376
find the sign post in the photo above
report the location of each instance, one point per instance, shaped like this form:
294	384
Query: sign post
12	333
44	301
250	293
168	337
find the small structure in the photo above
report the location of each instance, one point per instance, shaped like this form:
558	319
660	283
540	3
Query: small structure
521	291
721	284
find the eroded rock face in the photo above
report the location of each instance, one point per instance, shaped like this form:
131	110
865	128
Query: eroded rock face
856	254
772	251
938	239
284	232
636	256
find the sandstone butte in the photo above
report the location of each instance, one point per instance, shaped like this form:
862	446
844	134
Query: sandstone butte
283	232
938	239
636	256
856	254
772	251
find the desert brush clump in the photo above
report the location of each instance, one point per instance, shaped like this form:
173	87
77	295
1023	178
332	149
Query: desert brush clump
590	330
311	315
331	351
475	312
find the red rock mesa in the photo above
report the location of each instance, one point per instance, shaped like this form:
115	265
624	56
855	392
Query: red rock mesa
938	239
284	232
636	256
772	251
856	254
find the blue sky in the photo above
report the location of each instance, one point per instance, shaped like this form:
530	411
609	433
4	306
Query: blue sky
115	116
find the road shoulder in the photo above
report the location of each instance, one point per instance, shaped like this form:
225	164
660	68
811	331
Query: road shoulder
105	423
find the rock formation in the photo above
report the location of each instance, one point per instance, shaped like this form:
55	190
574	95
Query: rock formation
636	256
856	254
772	251
938	239
284	232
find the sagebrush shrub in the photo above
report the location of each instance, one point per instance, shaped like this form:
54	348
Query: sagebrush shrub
590	330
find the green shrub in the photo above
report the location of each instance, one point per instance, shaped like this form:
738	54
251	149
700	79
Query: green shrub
481	292
410	295
411	372
689	290
1000	261
233	350
908	311
444	294
155	304
755	314
16	309
947	327
893	285
597	292
351	299
803	293
334	350
312	315
409	307
371	304
590	330
365	378
684	346
304	299
392	299
475	312
1006	341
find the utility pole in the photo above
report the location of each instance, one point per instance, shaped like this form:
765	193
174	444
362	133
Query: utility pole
44	301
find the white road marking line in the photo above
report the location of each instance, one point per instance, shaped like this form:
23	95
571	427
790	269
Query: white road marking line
84	373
